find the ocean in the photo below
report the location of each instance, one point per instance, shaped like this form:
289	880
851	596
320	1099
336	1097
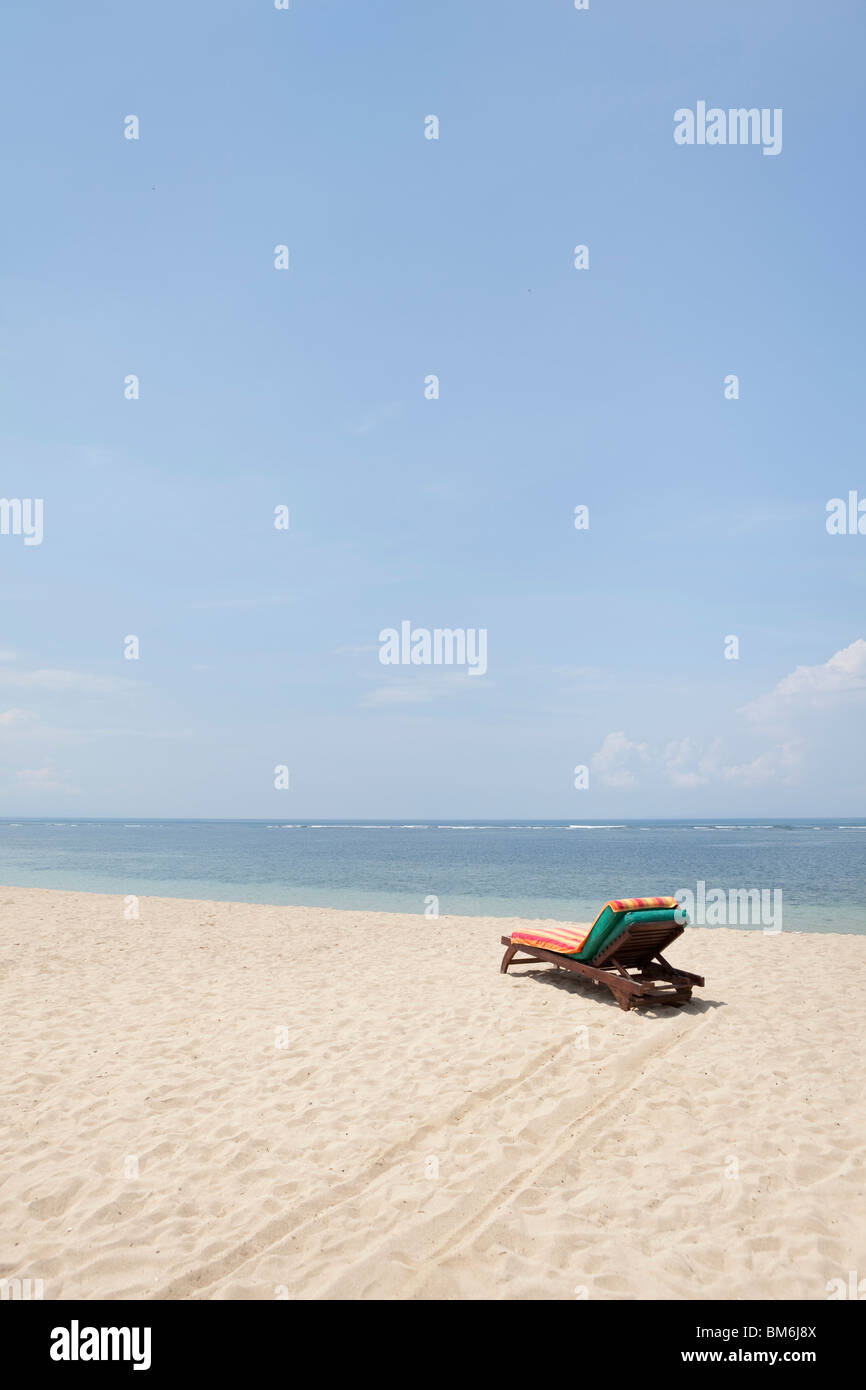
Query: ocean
516	868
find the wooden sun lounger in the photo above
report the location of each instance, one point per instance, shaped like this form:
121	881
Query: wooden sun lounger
632	966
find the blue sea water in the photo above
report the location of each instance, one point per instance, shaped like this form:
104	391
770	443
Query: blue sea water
524	869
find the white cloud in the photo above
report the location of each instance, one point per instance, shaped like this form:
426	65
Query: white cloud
46	779
376	417
264	601
61	680
584	680
421	691
619	761
691	762
688	762
16	716
842	677
779	764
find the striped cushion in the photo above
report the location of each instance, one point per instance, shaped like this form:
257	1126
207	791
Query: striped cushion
567	939
636	904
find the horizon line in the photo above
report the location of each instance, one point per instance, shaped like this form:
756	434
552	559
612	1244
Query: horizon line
408	821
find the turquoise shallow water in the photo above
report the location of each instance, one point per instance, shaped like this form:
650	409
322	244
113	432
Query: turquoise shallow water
525	869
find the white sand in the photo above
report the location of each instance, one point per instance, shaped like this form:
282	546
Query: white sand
431	1129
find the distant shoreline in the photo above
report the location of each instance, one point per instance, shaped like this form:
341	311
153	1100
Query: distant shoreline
767	822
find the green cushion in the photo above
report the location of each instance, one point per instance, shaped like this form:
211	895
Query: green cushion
612	924
653	914
593	943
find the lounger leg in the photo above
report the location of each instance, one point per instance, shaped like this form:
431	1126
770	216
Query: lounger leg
510	953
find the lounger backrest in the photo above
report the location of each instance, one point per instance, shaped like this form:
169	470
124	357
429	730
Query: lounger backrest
640	941
619	913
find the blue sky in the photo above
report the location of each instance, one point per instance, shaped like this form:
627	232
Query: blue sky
305	387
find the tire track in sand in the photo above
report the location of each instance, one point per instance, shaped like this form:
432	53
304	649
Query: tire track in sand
517	1180
470	1216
